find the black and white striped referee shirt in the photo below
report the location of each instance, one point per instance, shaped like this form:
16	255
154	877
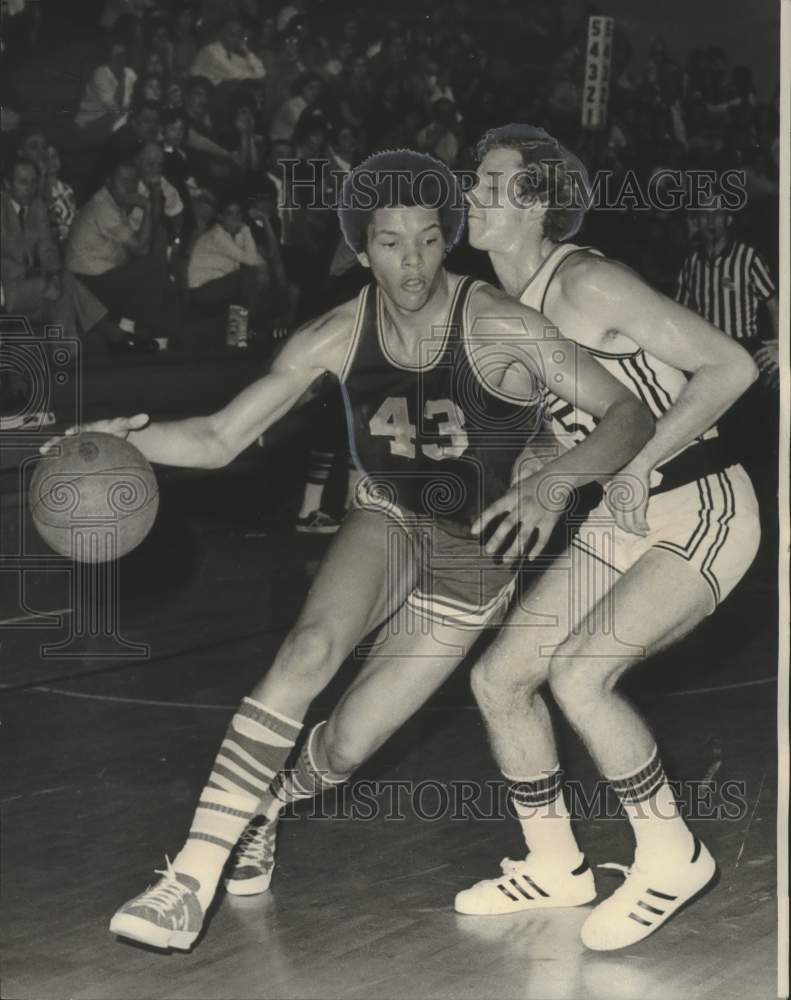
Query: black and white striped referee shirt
727	289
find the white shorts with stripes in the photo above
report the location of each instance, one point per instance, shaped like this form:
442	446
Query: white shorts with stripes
712	523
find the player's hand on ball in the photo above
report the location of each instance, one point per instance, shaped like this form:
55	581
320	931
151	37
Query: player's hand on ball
523	520
118	426
626	496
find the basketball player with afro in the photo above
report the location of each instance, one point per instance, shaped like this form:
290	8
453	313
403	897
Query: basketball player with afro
677	529
442	376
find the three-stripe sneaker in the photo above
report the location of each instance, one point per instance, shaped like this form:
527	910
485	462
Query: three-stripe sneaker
646	900
166	915
528	885
253	861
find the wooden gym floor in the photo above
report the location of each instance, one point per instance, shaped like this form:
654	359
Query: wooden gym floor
105	756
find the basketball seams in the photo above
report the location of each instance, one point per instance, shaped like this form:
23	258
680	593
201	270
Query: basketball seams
78	477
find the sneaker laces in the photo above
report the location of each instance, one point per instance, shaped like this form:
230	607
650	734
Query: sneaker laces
167	893
255	844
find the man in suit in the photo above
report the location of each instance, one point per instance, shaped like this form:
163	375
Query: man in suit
34	282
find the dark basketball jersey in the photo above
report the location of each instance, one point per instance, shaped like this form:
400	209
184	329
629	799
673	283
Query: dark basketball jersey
432	439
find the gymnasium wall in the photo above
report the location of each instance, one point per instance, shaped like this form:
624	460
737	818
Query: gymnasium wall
748	32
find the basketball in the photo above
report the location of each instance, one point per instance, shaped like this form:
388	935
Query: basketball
96	500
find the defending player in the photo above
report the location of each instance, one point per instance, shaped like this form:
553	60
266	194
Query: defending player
437	420
675	533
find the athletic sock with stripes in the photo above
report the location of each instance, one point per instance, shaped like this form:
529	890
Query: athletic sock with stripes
307	778
545	820
660	833
257	744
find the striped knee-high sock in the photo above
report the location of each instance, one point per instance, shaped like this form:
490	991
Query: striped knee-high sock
305	780
256	745
545	820
660	832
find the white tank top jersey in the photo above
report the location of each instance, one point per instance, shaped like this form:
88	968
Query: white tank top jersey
656	383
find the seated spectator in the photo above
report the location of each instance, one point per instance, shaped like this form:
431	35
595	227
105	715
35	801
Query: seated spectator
179	166
57	196
265	45
287	69
154	65
355	94
161	47
107	96
442	137
228	59
225	267
61	200
343	151
142	127
185	45
33	280
200	128
149	89
114	10
166	208
174	95
247	152
306	92
114	258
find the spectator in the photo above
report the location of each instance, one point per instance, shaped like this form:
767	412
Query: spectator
113	257
155	65
142	127
149	89
247	154
266	45
306	92
228	59
442	137
200	129
114	10
178	165
107	96
61	200
57	196
33	279
287	69
159	44
343	151
225	267
355	94
174	96
185	45
166	209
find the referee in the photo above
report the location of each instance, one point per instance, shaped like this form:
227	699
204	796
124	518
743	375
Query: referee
727	281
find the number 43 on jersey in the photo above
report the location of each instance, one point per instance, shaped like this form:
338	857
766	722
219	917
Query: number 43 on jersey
392	420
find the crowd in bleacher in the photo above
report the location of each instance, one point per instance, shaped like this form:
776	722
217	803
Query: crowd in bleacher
162	195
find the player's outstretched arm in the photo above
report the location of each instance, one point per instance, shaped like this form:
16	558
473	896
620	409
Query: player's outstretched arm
521	352
213	441
720	369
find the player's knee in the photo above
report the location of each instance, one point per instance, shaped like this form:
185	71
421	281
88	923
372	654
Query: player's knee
308	651
495	683
577	682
